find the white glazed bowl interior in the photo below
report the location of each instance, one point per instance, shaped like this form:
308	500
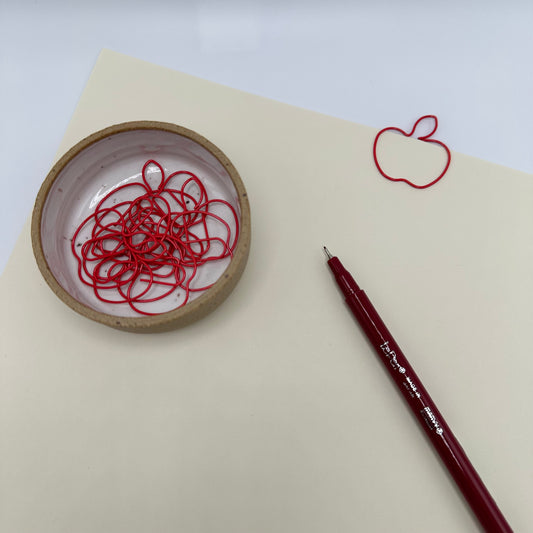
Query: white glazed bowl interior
104	165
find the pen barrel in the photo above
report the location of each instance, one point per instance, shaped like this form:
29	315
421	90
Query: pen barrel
427	414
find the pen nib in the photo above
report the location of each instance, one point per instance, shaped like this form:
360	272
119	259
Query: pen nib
328	254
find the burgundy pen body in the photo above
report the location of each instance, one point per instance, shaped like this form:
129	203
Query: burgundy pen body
420	403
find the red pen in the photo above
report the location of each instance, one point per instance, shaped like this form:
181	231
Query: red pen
420	403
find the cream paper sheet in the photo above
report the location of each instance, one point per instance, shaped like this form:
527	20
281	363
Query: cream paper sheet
272	414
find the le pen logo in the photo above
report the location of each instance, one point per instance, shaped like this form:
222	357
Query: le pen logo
391	355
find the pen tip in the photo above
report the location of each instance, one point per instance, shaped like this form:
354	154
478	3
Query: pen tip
327	252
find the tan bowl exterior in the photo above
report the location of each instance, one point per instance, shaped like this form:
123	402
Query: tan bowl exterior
193	310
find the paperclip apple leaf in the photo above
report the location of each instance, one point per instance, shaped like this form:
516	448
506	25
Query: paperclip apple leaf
433	123
153	175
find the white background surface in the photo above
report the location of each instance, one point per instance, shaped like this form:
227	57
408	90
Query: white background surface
379	63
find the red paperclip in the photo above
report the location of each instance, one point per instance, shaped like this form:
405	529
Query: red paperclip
424	138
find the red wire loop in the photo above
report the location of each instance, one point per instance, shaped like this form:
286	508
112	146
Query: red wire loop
424	138
143	250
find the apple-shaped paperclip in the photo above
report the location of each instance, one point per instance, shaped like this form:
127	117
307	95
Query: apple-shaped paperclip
424	138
